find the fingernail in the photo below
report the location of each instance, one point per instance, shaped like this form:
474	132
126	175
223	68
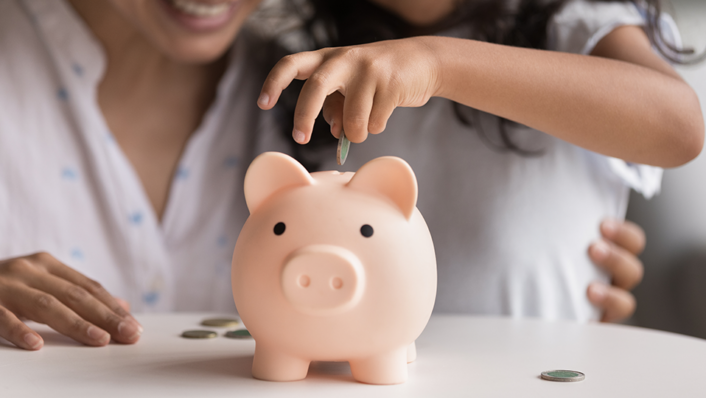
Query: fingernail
129	329
610	227
33	341
298	136
263	100
139	326
97	334
600	250
597	292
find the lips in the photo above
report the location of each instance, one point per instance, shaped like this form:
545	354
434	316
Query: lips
201	9
201	16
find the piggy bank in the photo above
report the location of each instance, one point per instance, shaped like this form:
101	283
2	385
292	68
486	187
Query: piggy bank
333	267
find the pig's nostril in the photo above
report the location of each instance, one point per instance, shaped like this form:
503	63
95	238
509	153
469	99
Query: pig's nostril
336	283
304	281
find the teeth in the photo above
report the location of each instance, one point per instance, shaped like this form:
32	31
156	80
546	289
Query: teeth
198	9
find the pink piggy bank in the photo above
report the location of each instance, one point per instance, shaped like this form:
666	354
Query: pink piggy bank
333	267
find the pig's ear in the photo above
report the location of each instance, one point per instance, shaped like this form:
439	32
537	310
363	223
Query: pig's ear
271	172
391	177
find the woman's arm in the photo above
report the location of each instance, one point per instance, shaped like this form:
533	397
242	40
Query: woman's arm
623	102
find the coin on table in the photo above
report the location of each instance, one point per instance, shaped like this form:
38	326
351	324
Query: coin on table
563	375
199	334
238	334
220	322
342	151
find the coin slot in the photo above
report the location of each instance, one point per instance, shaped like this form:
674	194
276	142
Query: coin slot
336	283
304	281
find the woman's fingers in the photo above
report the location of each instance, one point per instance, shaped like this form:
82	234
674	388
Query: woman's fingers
42	289
44	308
625	268
124	304
123	329
617	304
61	270
296	66
333	112
16	332
625	234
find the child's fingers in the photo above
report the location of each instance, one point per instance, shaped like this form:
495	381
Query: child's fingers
625	234
617	304
383	105
16	332
625	268
323	82
356	110
333	112
296	66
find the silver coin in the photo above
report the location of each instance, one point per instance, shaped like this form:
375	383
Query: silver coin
563	375
221	322
199	334
238	334
343	147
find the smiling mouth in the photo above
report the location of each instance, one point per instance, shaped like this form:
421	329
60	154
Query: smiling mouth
200	9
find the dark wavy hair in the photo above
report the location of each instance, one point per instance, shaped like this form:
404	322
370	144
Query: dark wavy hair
520	23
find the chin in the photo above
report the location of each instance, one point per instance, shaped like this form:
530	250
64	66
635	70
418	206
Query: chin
193	31
197	51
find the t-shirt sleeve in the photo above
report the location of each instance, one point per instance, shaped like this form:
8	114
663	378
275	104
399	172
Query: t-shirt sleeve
581	24
577	28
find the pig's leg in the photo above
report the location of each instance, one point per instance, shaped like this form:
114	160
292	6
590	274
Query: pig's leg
411	352
385	368
275	365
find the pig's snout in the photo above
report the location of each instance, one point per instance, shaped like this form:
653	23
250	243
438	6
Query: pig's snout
323	279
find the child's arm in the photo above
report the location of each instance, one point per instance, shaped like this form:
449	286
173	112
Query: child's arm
624	101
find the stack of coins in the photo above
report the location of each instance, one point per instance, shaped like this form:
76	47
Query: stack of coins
563	375
238	334
199	334
218	323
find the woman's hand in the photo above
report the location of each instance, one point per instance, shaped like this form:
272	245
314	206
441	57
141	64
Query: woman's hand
42	289
617	254
358	87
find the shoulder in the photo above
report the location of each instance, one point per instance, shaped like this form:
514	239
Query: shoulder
580	24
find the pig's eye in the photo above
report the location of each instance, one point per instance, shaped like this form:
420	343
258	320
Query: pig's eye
366	230
280	227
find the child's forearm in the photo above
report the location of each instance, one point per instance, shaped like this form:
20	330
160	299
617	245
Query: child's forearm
608	106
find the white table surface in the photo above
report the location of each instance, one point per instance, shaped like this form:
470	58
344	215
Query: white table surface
457	357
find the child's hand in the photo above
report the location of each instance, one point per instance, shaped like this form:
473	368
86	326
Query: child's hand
617	254
358	87
40	288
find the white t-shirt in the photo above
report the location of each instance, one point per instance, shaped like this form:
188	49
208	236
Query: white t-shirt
511	233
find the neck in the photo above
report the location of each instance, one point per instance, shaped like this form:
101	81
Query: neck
133	62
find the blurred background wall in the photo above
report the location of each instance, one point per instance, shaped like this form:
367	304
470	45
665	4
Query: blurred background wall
673	294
